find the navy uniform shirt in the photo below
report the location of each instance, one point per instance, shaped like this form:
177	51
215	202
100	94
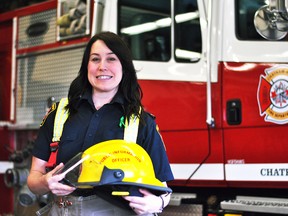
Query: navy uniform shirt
90	126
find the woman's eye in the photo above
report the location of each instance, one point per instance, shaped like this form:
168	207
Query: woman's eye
95	59
111	59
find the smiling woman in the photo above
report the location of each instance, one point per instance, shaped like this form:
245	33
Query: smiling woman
104	102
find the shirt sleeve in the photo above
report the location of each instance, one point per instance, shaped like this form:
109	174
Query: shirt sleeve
151	140
41	148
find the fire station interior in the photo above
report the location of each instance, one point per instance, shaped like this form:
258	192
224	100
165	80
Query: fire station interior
29	86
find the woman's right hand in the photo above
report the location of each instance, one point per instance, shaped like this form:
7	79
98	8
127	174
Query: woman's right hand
40	182
53	182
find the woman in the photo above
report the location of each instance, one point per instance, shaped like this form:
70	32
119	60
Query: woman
105	90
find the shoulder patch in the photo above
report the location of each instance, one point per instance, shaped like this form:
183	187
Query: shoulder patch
151	115
52	108
158	131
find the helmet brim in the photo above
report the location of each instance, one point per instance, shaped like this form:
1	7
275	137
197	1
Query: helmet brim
90	169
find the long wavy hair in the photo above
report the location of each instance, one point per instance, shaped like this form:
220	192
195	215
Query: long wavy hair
129	86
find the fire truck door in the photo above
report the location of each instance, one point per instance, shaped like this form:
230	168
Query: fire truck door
170	56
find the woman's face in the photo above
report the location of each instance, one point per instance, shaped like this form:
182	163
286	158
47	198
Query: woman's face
104	69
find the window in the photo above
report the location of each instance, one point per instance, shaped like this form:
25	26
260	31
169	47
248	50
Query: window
188	41
146	27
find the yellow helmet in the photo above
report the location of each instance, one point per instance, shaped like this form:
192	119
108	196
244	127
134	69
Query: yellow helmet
115	163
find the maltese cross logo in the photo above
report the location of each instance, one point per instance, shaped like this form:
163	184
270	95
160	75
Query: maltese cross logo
272	94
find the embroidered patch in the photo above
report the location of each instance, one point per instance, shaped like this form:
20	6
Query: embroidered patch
158	130
52	108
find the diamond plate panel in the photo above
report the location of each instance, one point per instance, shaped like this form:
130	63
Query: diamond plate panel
49	17
41	77
183	210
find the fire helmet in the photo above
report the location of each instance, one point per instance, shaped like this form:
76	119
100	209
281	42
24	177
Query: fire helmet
118	163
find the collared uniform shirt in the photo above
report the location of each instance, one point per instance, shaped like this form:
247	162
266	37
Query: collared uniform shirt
90	126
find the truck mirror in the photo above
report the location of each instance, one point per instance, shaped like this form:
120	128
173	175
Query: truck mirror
269	24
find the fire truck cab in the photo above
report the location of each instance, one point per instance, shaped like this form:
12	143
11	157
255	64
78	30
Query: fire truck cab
214	73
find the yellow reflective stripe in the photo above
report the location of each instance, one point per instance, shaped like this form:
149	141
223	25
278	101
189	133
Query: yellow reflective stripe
60	118
131	129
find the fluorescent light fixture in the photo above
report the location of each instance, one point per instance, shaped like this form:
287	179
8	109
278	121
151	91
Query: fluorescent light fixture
161	23
185	54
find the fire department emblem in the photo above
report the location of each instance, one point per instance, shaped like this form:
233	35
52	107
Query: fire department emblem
272	94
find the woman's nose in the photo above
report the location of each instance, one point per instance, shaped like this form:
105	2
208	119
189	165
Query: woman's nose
102	65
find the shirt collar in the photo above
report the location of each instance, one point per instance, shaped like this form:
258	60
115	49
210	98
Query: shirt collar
87	96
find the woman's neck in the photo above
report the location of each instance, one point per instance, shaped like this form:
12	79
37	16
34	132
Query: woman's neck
102	98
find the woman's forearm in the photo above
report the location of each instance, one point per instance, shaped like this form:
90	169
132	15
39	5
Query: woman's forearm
36	182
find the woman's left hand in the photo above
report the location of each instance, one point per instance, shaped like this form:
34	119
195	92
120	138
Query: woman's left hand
149	203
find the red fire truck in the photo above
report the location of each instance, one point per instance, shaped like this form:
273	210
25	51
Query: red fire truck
214	73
